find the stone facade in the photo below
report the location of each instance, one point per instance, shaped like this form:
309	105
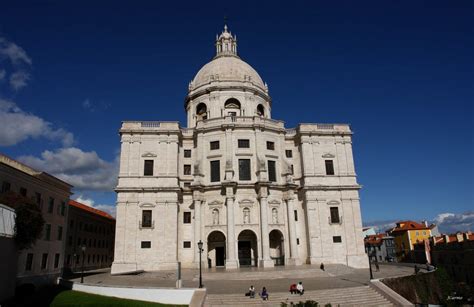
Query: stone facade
254	192
43	262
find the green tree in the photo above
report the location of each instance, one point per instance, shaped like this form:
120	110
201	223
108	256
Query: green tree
29	221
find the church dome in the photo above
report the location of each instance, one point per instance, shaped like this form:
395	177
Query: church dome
227	66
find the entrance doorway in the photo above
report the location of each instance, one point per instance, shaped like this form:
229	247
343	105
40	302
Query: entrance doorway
216	253
247	249
277	251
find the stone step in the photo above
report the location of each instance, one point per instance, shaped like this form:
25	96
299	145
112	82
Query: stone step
355	296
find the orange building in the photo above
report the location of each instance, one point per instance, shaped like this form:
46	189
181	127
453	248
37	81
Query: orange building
408	233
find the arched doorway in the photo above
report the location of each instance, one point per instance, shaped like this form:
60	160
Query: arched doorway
247	248
232	107
277	248
216	249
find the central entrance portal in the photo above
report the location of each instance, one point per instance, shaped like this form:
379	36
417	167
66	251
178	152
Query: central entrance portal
216	249
247	249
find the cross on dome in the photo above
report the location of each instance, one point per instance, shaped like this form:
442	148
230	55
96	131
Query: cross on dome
226	44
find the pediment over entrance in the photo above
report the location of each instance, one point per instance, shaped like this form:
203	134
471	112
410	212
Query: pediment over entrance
274	202
328	155
149	155
246	203
215	203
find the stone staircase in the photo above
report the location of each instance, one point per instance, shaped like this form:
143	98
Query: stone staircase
354	296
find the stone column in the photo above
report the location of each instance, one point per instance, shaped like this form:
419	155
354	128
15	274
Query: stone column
197	229
264	237
294	259
231	260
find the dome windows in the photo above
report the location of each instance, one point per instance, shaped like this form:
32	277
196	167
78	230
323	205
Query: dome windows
232	107
260	110
201	111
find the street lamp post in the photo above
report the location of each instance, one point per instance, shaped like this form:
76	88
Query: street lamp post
370	265
83	249
200	263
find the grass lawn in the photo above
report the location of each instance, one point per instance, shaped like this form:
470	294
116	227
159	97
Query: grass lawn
76	298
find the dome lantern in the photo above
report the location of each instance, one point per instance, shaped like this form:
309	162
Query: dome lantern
226	44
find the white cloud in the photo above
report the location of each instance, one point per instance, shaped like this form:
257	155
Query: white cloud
19	62
14	53
452	222
110	209
447	222
18	79
84	170
18	125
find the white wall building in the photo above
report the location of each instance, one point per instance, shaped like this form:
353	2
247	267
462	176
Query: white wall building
255	192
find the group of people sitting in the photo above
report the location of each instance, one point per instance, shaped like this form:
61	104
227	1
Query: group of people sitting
294	289
263	294
297	288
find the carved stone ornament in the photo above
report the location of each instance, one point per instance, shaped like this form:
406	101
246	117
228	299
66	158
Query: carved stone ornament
149	155
274	202
333	203
246	203
149	205
328	155
216	203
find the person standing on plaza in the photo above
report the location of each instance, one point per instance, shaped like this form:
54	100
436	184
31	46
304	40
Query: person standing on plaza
300	288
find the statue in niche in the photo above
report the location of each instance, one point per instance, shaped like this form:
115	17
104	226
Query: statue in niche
246	216
275	216
215	217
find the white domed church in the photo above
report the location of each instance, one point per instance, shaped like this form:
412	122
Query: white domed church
254	192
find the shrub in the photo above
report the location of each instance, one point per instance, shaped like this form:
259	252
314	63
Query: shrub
28	221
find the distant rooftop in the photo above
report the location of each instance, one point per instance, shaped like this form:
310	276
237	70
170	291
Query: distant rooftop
90	209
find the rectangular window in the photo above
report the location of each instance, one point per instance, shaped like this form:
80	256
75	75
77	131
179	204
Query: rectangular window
56	261
289	153
215	171
187	169
187	217
334	215
146	218
146	244
243	143
6	186
244	169
23	192
292	168
214	145
271	171
187	153
63	208
336	239
38	199
51	205
29	262
186	244
329	167
148	168
47	232
44	261
270	145
60	233
296	215
297	241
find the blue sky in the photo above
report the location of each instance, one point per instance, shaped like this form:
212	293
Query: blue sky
401	73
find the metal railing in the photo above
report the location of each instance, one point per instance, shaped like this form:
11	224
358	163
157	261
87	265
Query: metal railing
331	222
149	226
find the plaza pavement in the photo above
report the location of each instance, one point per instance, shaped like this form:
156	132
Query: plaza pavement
278	279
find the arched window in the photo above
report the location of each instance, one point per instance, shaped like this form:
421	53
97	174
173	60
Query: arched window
215	217
232	107
260	110
201	111
246	218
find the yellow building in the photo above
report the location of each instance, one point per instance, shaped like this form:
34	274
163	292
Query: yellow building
406	234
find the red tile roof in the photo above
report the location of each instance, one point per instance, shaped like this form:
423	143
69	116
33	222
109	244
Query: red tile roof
374	239
409	225
90	209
